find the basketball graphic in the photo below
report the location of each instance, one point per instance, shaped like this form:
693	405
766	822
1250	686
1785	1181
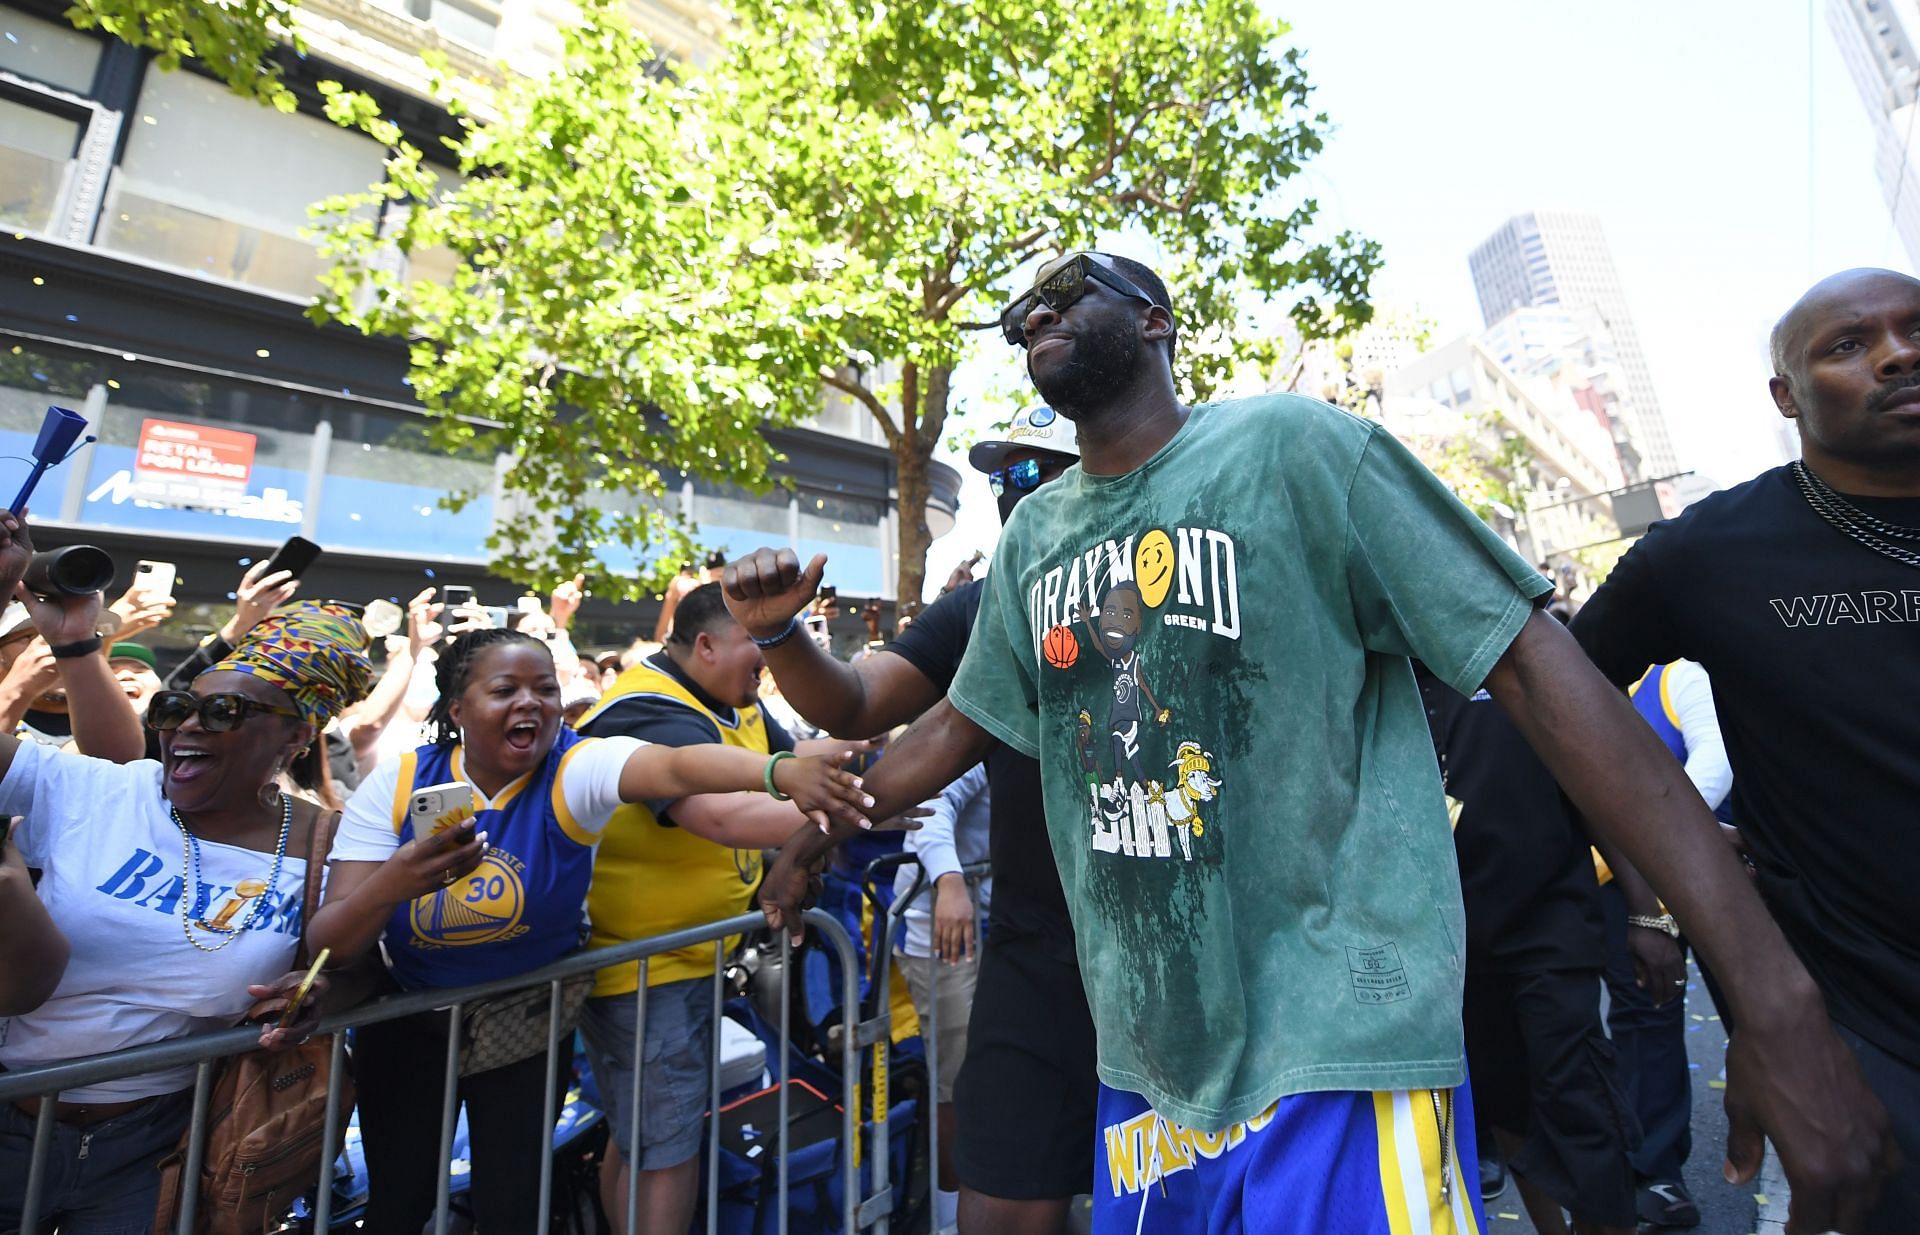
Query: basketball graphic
484	906
1062	649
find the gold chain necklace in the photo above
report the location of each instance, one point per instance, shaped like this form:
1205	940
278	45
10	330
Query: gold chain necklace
190	859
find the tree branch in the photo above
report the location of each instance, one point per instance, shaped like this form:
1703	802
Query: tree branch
867	399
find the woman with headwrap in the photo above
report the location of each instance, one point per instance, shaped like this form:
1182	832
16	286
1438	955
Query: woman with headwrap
178	885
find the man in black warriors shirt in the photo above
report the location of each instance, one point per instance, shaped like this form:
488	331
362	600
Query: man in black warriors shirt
1799	592
1027	1091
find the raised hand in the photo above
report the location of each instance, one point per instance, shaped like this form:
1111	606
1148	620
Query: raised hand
767	589
140	611
62	618
565	601
423	622
16	547
259	594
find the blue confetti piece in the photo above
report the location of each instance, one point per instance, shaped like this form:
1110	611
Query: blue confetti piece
246	561
430	573
39	377
1693	1067
11	37
73	317
1693	1029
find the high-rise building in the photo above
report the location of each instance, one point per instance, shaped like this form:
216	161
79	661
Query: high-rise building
1876	40
1561	258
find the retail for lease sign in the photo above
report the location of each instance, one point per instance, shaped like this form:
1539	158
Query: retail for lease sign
178	464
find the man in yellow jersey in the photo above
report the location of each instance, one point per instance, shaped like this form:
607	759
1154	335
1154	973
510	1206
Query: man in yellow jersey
654	875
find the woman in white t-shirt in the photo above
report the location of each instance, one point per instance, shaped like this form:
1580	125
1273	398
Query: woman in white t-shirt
117	845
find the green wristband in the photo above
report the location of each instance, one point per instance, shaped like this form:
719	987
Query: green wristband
773	761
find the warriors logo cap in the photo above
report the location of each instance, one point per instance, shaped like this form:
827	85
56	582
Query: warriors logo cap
1037	428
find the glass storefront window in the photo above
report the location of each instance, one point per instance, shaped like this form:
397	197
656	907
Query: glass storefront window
36	160
734	522
218	185
852	532
47	51
384	485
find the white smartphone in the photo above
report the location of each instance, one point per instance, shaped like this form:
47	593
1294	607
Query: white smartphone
530	604
155	578
436	808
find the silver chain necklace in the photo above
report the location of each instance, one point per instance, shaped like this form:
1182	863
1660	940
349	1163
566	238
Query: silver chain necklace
1876	534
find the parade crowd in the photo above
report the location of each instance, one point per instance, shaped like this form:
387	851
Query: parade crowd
1318	823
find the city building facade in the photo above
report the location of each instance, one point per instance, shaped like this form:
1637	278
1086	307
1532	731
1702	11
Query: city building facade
155	276
1876	39
1560	258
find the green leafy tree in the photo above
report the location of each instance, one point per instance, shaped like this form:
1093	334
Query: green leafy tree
652	266
234	39
921	155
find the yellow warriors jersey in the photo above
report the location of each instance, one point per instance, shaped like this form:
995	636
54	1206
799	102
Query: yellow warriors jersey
652	877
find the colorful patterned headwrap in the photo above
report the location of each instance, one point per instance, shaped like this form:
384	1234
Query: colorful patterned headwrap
316	651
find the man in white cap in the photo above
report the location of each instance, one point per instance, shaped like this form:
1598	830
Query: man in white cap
1025	1096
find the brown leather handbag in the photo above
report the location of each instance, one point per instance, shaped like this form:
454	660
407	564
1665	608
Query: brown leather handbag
266	1116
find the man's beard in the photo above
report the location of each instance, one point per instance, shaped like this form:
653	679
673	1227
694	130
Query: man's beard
1096	372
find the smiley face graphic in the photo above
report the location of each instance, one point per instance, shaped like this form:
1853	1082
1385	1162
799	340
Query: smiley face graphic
1153	567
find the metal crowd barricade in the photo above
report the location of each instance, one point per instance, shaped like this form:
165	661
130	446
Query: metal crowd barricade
206	1050
929	1021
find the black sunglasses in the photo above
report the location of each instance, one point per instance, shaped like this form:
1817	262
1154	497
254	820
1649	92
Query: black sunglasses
218	713
1061	287
1020	477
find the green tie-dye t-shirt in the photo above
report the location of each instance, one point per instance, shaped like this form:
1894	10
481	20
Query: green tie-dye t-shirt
1209	657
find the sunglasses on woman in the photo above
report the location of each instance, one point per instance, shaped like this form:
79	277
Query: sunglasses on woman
1020	477
1060	289
218	713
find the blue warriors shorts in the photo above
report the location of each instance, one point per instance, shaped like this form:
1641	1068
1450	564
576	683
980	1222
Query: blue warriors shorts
1391	1163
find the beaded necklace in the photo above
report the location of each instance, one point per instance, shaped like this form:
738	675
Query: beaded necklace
190	856
1875	534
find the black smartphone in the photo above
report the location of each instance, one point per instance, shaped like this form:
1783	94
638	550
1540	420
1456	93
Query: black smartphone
828	595
295	555
454	595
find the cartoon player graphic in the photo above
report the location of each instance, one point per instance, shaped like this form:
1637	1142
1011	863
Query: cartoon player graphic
1116	635
1193	784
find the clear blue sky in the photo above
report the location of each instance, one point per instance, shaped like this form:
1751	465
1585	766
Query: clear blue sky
1729	167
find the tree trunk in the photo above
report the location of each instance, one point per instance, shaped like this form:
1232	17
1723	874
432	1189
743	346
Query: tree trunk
911	459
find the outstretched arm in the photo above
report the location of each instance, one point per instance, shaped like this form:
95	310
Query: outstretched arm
1788	1075
819	789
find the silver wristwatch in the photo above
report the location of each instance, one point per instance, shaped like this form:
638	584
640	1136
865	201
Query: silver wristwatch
1664	923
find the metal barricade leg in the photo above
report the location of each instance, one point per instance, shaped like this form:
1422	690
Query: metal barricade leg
633	1096
786	1051
449	1110
37	1166
713	1090
196	1145
548	1111
323	1187
930	1038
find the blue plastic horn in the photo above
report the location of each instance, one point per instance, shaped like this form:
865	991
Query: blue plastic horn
57	434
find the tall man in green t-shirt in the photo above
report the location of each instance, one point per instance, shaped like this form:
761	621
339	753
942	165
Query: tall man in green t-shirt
1258	862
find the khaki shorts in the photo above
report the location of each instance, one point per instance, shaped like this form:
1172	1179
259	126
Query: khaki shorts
928	975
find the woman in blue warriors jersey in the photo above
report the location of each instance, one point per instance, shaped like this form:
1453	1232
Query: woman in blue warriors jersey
496	894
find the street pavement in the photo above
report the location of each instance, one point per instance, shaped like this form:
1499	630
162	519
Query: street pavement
1724	1208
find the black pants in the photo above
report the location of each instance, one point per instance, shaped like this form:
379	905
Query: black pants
398	1066
1542	1069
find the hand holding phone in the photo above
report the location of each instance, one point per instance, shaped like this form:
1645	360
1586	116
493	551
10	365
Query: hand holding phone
436	808
293	556
299	995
